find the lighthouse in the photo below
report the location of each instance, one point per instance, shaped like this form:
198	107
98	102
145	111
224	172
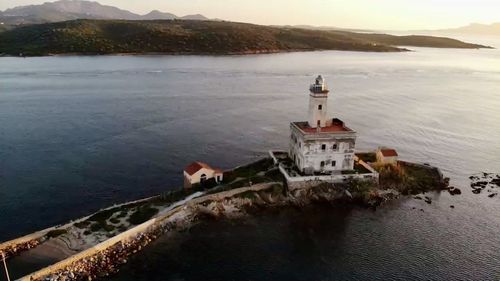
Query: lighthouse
321	145
318	103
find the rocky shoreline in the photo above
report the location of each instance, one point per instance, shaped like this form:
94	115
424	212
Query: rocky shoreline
239	203
261	187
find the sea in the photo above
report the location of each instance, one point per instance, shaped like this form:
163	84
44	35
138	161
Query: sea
79	133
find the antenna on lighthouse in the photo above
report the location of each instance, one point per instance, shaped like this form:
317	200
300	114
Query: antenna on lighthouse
5	266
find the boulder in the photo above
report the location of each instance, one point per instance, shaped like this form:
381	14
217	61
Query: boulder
451	206
493	195
496	181
476	191
455	191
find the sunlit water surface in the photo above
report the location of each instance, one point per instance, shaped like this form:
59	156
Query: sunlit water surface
80	133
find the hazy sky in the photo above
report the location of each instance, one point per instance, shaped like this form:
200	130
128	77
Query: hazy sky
372	14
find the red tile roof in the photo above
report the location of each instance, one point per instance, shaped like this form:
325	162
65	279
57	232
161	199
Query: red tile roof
194	167
336	126
389	152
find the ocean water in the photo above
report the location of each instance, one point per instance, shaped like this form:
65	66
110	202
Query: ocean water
80	133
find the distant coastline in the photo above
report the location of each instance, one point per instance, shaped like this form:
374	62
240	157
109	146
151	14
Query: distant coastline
194	37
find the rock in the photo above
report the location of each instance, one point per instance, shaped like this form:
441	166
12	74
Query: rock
476	191
446	181
493	195
446	187
421	210
348	194
495	181
417	197
455	191
451	206
428	200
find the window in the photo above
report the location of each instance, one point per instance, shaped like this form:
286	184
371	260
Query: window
334	146
322	164
323	147
319	123
320	107
203	177
334	163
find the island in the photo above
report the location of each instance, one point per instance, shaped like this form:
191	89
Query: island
100	37
319	166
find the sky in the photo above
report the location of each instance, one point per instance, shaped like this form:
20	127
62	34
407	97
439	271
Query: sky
363	14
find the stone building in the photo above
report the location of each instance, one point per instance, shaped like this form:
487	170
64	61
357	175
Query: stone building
321	145
198	172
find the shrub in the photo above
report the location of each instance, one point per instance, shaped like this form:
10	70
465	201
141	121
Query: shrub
82	224
56	232
95	227
275	174
103	215
142	214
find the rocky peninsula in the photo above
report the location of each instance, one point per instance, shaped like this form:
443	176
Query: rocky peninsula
96	245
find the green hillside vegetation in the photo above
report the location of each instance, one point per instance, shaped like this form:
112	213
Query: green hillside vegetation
420	41
194	37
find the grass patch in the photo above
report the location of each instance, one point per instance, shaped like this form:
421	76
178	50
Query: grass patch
409	179
122	228
367	157
82	224
361	189
275	175
95	227
249	170
247	195
173	196
103	215
56	232
360	169
142	214
100	226
122	214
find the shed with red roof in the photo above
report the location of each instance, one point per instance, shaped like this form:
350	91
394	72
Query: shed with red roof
198	172
387	155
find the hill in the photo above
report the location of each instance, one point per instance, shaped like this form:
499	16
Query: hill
64	10
195	37
476	28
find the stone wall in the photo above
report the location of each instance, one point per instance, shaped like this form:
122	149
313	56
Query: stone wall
145	227
309	181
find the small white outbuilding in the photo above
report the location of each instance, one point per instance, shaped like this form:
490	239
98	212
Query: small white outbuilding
198	172
387	156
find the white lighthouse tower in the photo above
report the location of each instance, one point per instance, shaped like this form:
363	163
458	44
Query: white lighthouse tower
321	145
318	103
